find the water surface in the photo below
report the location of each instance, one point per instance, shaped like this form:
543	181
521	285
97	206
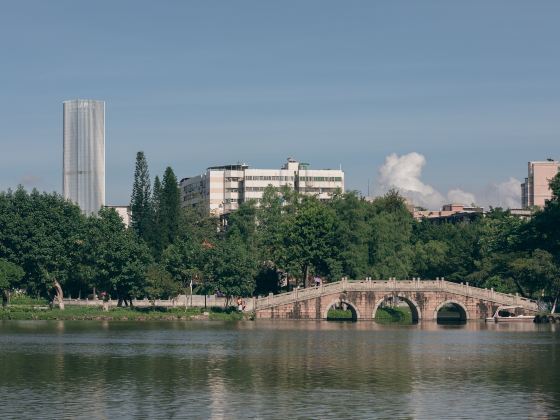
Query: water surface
278	369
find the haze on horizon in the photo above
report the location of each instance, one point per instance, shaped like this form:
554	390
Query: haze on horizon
452	98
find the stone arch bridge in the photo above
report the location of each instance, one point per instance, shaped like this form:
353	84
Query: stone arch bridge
424	297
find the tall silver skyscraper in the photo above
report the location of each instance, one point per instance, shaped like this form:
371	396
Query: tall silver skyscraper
83	179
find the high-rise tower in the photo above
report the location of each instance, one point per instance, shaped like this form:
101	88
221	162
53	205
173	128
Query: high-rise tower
83	178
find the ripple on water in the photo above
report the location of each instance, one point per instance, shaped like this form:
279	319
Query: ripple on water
276	369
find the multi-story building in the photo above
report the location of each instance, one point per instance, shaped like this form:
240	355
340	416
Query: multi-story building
83	169
221	189
450	212
535	191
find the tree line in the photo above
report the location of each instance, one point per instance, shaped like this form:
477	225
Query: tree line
47	246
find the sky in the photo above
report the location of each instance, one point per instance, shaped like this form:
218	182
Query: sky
449	97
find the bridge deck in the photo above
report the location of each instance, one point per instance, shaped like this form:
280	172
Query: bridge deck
395	286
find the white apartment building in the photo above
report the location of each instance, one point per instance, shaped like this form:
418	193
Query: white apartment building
221	189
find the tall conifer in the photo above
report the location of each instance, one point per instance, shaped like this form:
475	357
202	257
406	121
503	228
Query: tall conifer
169	208
140	201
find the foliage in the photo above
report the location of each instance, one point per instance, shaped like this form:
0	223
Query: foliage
160	284
169	209
285	236
232	268
140	202
21	298
118	260
15	312
399	314
337	314
10	276
41	233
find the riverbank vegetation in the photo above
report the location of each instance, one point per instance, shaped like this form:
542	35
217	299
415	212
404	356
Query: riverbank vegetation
398	314
73	313
48	248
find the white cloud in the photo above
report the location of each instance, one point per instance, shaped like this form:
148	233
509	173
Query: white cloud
403	173
459	196
505	194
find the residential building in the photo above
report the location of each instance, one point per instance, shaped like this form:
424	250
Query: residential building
535	191
83	179
220	189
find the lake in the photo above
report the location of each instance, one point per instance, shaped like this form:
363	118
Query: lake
278	369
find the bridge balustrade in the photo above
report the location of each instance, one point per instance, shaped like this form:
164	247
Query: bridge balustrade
344	285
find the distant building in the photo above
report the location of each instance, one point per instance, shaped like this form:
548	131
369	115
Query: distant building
535	191
83	167
124	212
220	189
524	214
450	212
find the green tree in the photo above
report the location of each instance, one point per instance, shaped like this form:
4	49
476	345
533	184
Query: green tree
275	208
169	210
543	233
160	284
40	233
187	261
10	276
232	268
118	258
140	201
390	252
353	232
311	243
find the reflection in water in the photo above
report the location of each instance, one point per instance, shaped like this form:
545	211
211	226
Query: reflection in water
278	369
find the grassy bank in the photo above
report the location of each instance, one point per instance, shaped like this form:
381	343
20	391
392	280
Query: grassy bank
339	314
34	312
399	314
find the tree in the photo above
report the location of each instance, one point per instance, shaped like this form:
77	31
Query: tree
232	268
41	234
275	206
140	201
310	241
186	261
160	284
169	210
10	275
119	259
352	233
390	251
536	273
543	232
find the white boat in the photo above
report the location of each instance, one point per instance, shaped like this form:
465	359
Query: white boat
508	314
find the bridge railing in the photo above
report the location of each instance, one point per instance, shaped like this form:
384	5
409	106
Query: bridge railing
463	289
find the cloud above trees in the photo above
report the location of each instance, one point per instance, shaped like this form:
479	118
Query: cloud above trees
404	173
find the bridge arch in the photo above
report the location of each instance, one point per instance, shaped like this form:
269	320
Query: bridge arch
463	311
352	306
414	308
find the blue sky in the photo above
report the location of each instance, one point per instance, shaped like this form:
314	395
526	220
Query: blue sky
472	86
